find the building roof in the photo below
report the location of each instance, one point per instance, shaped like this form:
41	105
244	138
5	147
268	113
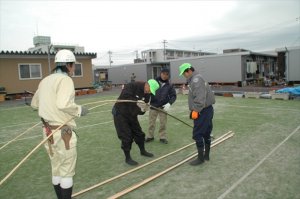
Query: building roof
179	50
93	55
285	49
226	54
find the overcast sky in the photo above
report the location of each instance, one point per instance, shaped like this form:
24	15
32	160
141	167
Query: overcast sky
126	26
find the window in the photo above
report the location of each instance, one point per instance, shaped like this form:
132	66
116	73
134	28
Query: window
78	70
30	71
156	72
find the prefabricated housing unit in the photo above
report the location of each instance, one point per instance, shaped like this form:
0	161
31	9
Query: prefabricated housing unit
228	68
289	63
143	71
225	68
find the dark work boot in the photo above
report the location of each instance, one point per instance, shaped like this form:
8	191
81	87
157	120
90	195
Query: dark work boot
143	150
57	190
128	159
200	158
206	153
66	193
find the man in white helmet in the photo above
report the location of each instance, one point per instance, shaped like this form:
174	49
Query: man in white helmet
55	102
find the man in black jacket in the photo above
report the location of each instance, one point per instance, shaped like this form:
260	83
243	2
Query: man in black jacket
164	98
125	115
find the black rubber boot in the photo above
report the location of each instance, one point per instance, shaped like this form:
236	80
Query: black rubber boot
66	193
206	153
128	159
200	158
143	150
57	190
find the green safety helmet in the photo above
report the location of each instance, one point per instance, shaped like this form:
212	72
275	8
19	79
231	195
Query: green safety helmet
153	85
183	67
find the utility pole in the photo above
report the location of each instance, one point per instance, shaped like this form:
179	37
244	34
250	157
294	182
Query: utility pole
137	54
109	58
49	64
165	42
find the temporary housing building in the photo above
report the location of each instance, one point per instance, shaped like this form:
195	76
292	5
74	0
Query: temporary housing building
230	68
289	63
227	68
122	74
23	70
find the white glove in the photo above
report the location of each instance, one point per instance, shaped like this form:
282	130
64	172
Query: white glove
167	107
143	106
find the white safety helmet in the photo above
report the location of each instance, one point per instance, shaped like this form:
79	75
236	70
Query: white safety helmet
64	56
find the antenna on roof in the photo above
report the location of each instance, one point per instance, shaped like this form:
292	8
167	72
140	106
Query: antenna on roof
37	27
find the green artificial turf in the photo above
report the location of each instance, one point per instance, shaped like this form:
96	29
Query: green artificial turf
259	126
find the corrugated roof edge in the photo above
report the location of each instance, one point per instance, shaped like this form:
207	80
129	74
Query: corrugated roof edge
3	52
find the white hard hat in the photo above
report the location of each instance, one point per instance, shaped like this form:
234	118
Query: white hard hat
64	56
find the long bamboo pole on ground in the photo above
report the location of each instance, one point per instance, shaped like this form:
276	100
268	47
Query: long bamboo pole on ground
141	166
136	186
33	150
20	135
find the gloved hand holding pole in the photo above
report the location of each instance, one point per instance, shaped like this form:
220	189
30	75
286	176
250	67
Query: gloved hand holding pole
143	105
166	107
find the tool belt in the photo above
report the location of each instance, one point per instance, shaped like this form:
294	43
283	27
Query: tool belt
66	134
48	132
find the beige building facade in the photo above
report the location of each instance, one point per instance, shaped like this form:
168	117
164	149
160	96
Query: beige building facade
20	71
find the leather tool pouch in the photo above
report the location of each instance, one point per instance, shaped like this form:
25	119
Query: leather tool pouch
66	135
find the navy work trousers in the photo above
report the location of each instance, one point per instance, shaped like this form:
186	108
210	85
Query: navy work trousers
203	126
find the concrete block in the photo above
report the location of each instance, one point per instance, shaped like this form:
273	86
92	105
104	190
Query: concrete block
252	94
283	96
238	95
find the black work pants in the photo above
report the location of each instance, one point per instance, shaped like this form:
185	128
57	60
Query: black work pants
128	129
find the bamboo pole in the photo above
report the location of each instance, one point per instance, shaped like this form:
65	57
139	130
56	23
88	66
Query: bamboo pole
125	191
20	135
140	167
33	150
134	101
97	106
35	126
104	101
